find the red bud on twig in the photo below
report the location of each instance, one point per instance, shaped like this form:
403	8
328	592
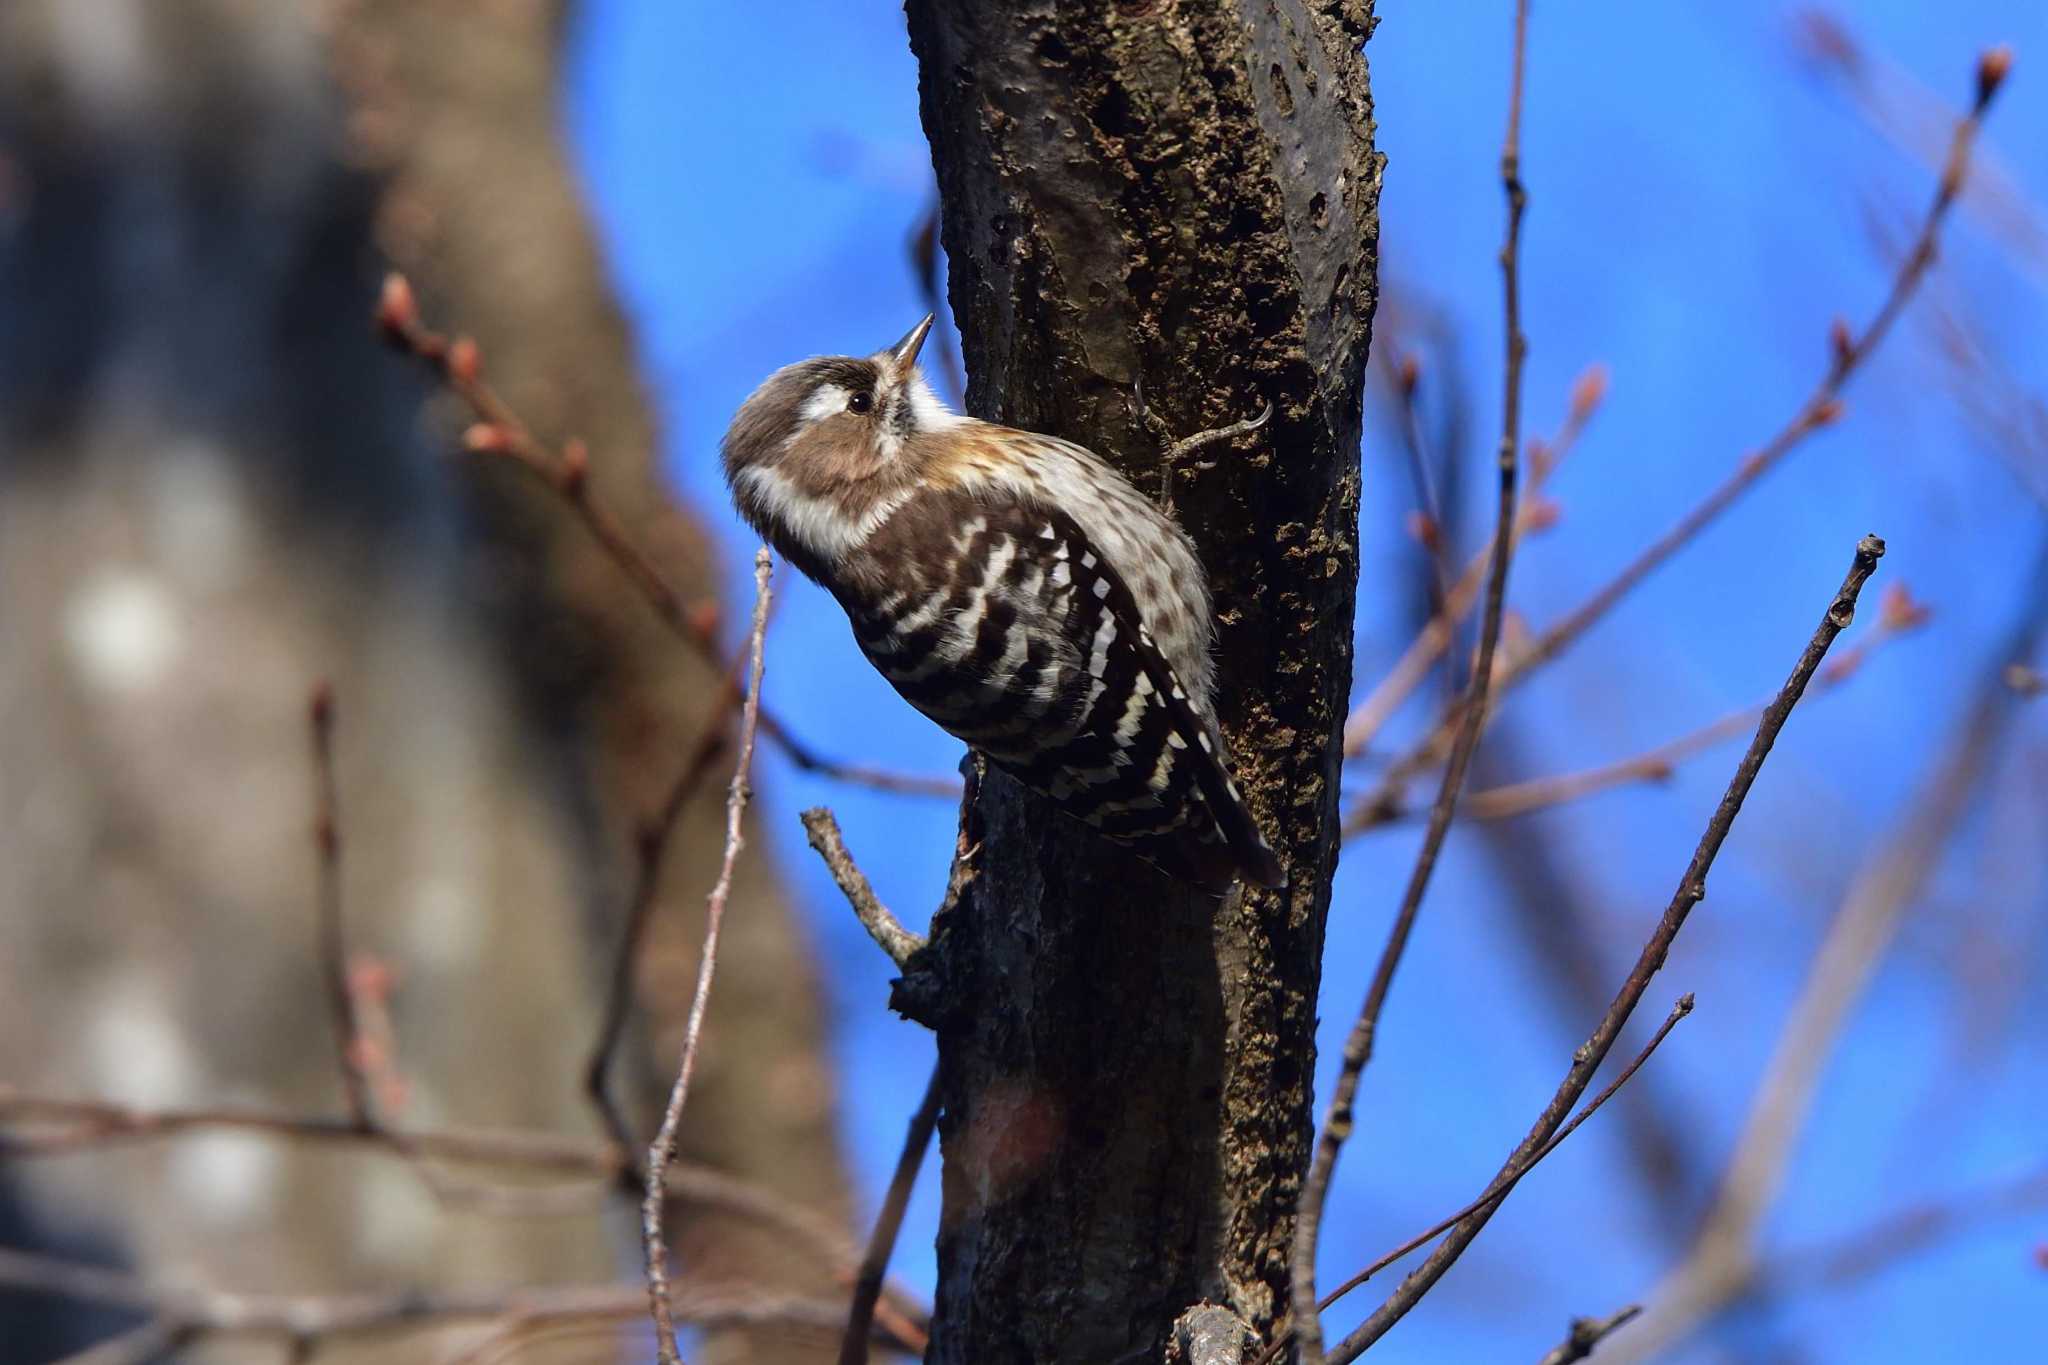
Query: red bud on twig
487	438
575	467
1422	526
465	361
1992	69
1588	391
398	311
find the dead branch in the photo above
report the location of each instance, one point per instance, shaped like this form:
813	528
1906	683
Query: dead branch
652	848
1586	1334
305	1322
822	828
1724	1258
1900	614
1692	889
1850	352
874	1264
90	1125
333	943
1501	1185
1358	1046
1535	514
663	1149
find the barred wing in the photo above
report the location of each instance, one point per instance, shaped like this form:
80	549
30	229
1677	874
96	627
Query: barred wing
1006	626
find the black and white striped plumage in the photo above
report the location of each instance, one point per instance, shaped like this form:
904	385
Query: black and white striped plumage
1012	587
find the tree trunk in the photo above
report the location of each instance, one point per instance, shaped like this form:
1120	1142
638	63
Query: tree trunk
1185	197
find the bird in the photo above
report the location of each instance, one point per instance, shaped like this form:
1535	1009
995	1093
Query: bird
1013	587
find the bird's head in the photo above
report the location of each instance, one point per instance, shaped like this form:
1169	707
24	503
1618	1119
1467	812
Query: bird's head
828	446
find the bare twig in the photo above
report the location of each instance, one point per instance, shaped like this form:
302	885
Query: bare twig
85	1125
1586	1334
1534	514
1501	1185
1900	615
152	1341
1821	409
499	432
1723	1260
1917	121
652	847
663	1148
1359	1044
1428	517
1692	889
306	1321
341	1001
874	1264
822	828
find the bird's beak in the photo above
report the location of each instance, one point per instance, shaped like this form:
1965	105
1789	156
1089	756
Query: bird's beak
904	352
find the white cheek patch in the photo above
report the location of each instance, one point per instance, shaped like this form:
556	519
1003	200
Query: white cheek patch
825	400
784	512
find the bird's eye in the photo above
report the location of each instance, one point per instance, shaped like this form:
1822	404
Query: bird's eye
860	402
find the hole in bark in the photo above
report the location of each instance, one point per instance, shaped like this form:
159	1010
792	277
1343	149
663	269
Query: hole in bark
1113	112
1053	50
1319	211
1269	309
1283	94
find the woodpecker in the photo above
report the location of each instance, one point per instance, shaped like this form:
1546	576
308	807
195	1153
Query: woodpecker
1015	589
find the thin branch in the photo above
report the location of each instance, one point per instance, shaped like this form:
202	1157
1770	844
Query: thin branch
1535	514
1586	1334
91	1124
1821	409
1900	615
499	432
1723	1260
874	1264
1502	1184
651	848
152	1341
1692	889
663	1149
88	1125
308	1321
341	1001
1429	518
1358	1046
822	829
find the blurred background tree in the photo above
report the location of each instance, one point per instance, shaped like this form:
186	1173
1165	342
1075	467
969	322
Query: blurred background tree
218	490
199	517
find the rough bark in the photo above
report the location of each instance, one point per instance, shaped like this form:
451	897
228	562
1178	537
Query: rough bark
214	488
1180	196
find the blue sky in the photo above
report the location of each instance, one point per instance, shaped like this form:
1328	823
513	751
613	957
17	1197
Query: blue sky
1701	207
